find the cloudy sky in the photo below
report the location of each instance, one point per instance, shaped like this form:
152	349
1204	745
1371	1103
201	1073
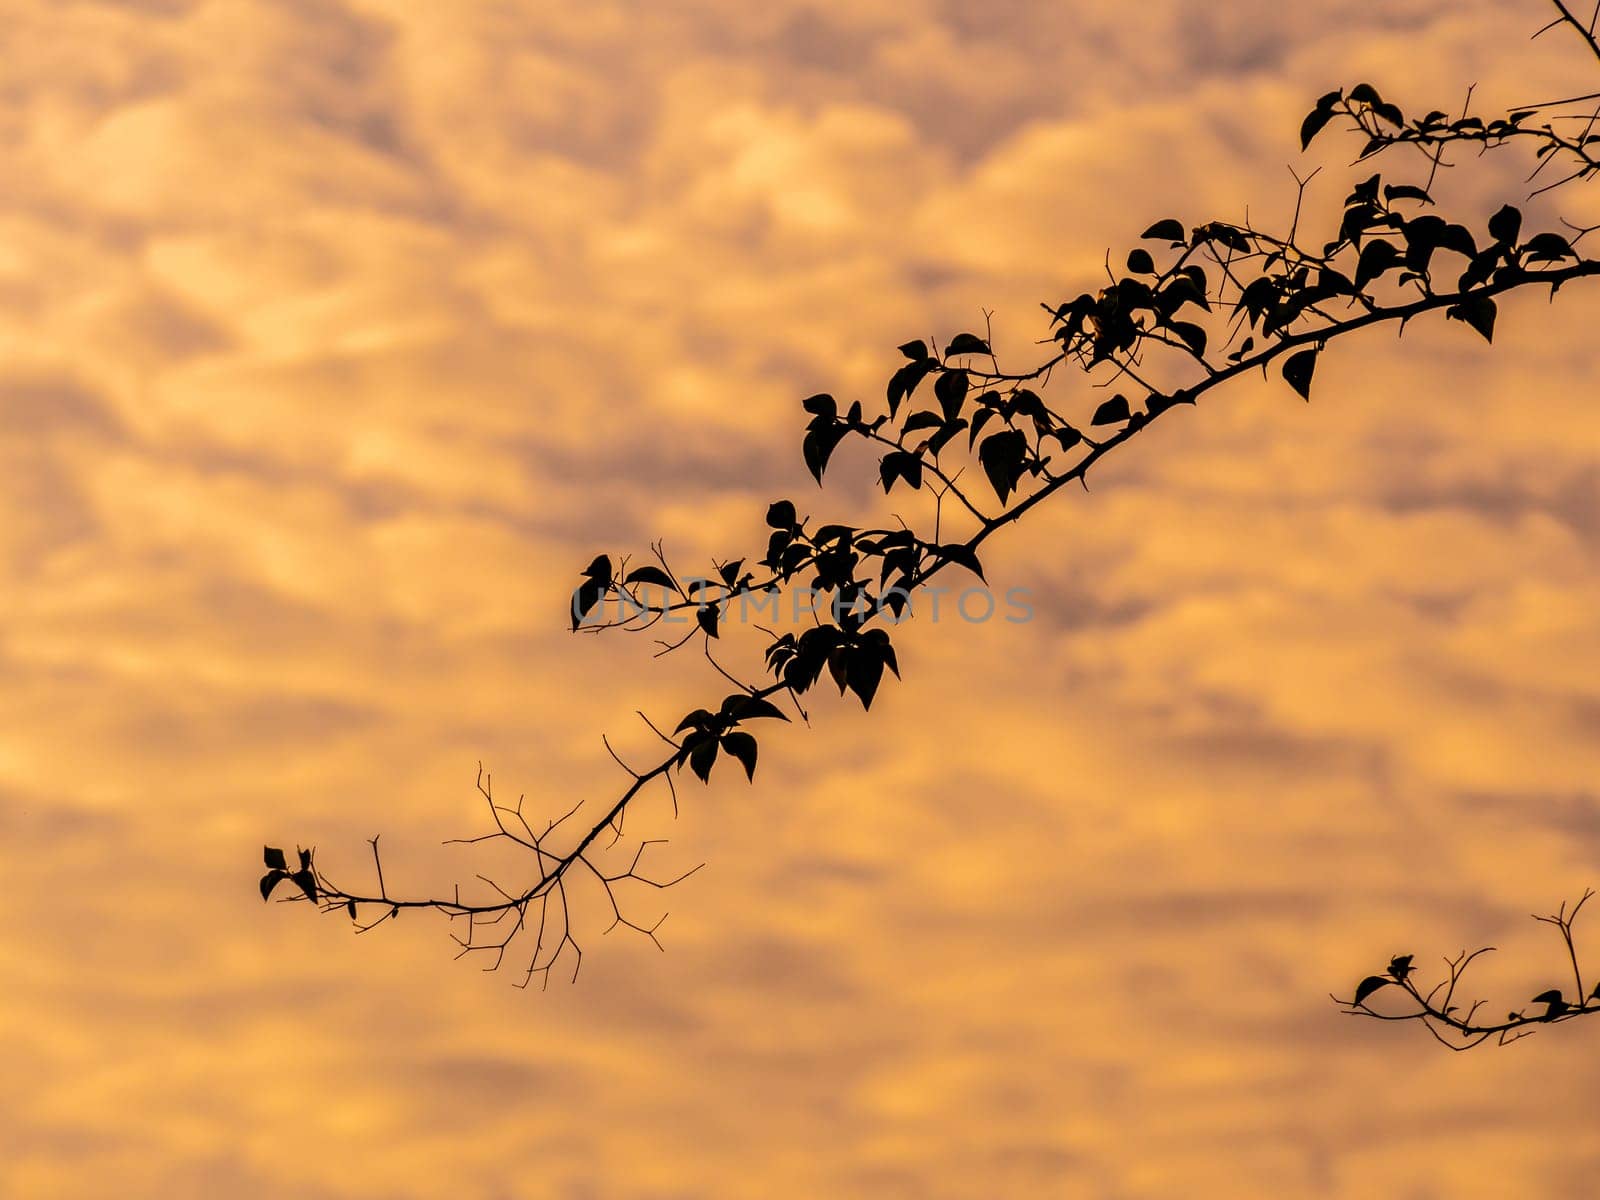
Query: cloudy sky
336	337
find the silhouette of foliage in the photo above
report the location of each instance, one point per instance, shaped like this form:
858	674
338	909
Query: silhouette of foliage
1197	306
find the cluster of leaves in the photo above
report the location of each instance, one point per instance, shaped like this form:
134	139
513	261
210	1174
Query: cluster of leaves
278	870
1386	126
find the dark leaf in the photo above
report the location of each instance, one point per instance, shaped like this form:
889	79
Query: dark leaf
966	343
742	707
305	860
1548	247
1400	966
271	880
864	674
652	575
900	464
706	618
1405	191
878	639
904	381
698	719
780	515
1112	411
819	446
743	747
274	858
702	756
1390	113
1477	311
963	556
1193	336
1140	262
915	351
1297	372
584	600
350	907
1369	985
1170	230
1001	457
922	420
820	405
1505	225
1376	258
307	883
1314	123
1067	436
951	389
599	570
942	439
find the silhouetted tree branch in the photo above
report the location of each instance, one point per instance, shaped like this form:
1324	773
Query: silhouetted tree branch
1455	1023
1195	309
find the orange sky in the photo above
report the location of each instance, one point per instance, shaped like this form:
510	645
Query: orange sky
336	337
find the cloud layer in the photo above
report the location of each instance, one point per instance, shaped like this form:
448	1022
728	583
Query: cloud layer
334	338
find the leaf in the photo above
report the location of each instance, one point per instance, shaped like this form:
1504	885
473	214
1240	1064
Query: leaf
819	446
307	883
1477	311
702	756
599	570
915	351
962	555
820	405
1112	411
922	420
305	860
1405	191
743	747
1193	336
1140	262
1314	123
904	381
741	707
1400	966
652	575
350	907
1376	258
951	389
1297	372
274	858
1505	225
865	672
1001	457
1367	986
271	880
1552	997
1067	436
966	343
1548	247
1170	230
780	515
900	464
698	719
706	618
584	600
1390	113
